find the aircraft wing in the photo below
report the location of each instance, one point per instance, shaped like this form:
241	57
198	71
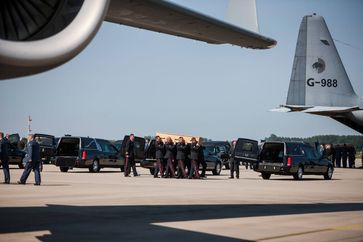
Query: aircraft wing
169	18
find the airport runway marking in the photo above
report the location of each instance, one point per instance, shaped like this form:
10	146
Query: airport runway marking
343	227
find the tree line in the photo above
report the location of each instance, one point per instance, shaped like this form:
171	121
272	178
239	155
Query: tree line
356	140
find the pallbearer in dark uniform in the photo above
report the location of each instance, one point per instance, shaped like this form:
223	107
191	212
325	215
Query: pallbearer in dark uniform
344	155
202	162
332	154
338	155
234	164
351	156
4	157
159	156
181	156
169	156
32	159
194	157
130	156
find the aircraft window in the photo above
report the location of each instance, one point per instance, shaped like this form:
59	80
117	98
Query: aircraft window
325	42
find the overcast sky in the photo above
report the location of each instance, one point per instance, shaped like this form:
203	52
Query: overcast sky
132	80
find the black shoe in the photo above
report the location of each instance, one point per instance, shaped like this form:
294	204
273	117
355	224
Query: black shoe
22	183
231	177
127	176
6	182
136	175
36	184
237	177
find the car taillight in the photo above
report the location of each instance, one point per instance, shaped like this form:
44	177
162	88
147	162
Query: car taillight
84	155
289	161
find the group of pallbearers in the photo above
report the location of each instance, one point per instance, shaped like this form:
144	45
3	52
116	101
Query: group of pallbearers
341	155
176	155
179	155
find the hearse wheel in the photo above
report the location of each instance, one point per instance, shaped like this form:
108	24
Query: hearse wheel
329	173
64	169
95	166
265	176
299	174
217	170
152	171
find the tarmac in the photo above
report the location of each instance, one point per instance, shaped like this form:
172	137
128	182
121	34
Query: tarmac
106	206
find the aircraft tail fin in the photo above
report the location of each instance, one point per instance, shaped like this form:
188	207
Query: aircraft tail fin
318	76
243	13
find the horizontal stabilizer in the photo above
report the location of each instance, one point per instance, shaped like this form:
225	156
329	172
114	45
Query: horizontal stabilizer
322	110
280	110
290	108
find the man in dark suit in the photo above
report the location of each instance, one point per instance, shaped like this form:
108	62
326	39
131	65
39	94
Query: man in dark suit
4	157
194	157
338	155
181	156
234	164
159	156
32	159
351	156
202	162
130	156
344	155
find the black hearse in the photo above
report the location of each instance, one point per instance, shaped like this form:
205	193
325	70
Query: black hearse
283	158
91	153
16	153
221	149
47	145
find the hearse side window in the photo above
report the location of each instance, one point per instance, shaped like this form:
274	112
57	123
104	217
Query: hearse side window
310	153
45	140
137	144
222	149
107	147
247	146
209	150
88	143
294	149
103	146
112	148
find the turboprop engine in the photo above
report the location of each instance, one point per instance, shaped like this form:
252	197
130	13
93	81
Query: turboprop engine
38	35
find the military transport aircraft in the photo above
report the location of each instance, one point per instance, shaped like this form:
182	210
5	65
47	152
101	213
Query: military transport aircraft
319	83
38	35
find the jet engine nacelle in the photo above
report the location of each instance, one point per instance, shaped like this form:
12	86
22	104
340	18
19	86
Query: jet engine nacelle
38	35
